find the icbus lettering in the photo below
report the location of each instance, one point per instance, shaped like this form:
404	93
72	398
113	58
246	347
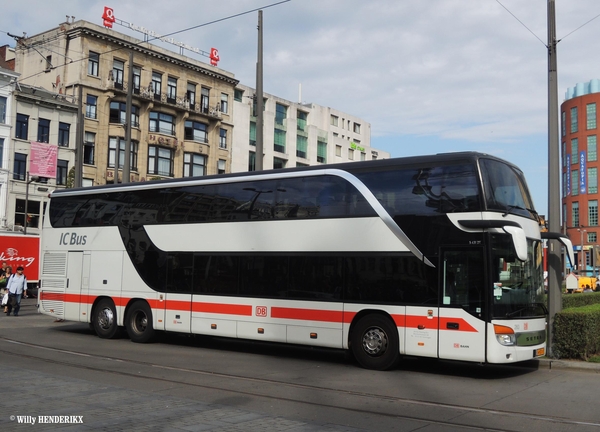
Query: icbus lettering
70	239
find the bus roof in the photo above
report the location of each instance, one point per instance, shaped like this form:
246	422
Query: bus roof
346	166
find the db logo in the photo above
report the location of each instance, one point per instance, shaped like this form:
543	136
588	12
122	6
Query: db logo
261	311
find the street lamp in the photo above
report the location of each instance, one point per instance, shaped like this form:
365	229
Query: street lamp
582	252
29	180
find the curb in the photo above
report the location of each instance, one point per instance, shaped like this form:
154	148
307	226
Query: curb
553	364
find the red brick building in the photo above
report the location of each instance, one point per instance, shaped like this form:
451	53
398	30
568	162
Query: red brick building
580	163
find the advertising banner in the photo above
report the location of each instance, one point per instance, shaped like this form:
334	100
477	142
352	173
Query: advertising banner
44	158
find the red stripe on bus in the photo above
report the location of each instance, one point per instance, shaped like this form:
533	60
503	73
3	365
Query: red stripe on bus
222	308
408	321
307	314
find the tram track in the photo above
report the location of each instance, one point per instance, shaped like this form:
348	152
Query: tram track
457	410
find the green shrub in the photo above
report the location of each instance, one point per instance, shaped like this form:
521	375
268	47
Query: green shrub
577	331
580	299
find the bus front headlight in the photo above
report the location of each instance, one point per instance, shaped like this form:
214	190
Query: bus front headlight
505	335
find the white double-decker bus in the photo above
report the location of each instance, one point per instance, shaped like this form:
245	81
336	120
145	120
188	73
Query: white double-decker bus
436	256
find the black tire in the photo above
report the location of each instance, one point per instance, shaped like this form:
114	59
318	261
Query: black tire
374	342
138	322
104	319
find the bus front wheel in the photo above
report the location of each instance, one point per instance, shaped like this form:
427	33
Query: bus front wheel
139	322
374	342
104	319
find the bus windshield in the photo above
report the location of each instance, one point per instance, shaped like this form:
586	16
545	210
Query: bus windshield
518	289
505	189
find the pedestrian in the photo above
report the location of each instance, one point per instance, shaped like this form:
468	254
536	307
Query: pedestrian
17	287
6	272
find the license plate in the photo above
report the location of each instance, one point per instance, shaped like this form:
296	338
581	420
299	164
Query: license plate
539	352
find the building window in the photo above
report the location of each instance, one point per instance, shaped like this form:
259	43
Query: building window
279	163
33	213
21	128
593	212
321	151
575	182
592	180
137	79
156	84
592	237
172	90
93	62
301	121
591	116
43	130
334	120
564	123
112	153
1	152
117	73
191	94
223	138
224	103
87	182
20	167
204	99
574	151
221	166
90	106
279	141
194	164
118	113
238	95
3	109
301	146
574	125
253	133
592	153
338	150
62	170
251	161
280	113
88	148
357	128
350	154
63	134
162	123
363	156
575	214
160	161
196	131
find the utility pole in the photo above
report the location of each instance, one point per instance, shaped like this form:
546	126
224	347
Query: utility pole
554	248
128	125
259	98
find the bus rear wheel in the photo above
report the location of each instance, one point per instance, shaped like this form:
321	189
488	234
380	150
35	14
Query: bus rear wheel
374	342
138	322
104	319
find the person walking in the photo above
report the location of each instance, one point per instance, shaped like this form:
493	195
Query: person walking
17	287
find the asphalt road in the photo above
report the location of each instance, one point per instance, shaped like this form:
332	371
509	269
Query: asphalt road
60	371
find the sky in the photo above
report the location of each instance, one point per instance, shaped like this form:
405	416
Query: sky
430	76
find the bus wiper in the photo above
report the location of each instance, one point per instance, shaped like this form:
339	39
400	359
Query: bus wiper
512	207
529	306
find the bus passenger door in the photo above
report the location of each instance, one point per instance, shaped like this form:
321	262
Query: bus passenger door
73	286
461	323
178	298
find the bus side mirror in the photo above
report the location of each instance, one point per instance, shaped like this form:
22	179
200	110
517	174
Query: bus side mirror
519	240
